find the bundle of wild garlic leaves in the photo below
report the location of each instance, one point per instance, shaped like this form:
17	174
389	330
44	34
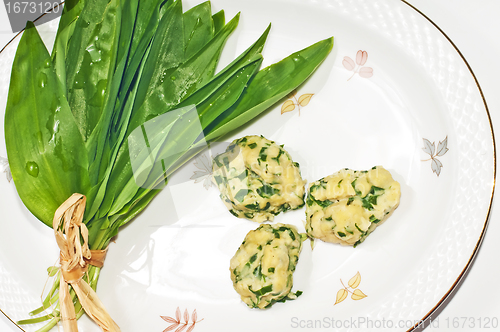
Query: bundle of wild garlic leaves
117	66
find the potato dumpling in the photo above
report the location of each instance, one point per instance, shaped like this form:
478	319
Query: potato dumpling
257	179
262	268
347	206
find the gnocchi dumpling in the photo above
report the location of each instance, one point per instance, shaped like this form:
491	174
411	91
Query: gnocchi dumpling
258	179
347	206
262	268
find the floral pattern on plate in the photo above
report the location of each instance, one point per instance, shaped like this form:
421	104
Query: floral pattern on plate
176	323
4	168
433	152
352	287
204	164
293	102
358	66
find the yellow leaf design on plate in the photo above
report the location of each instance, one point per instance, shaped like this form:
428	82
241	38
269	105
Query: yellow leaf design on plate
341	295
357	295
288	106
354	282
305	99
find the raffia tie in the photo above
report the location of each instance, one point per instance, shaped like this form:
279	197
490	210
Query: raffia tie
74	260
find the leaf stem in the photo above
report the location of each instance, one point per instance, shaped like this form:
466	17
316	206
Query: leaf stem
297	102
355	71
49	325
346	288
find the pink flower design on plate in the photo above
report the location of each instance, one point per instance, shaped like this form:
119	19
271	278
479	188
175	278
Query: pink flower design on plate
178	325
357	67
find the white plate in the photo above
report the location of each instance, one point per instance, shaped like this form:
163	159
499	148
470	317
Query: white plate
421	115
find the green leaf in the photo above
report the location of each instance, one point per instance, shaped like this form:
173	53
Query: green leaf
184	80
166	54
129	11
91	60
219	21
120	175
146	144
113	128
47	159
104	142
225	79
227	94
183	134
72	8
250	55
269	87
148	16
59	52
198	28
71	11
146	25
138	206
109	134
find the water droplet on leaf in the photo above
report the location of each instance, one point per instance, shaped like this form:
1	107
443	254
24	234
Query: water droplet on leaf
100	94
42	79
79	81
32	168
94	52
